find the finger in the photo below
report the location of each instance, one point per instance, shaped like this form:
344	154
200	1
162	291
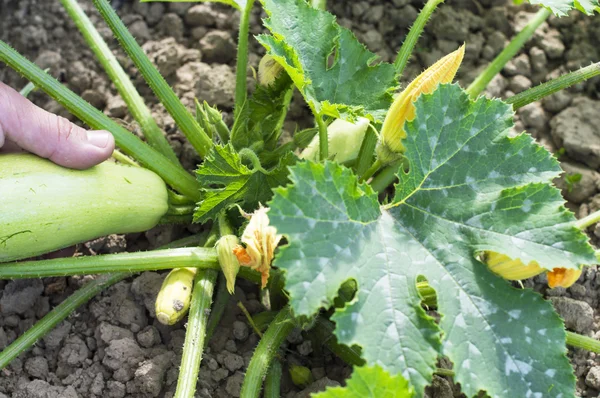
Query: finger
10	147
48	135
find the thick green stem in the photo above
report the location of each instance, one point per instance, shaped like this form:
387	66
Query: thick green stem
588	220
184	119
125	87
366	153
384	178
241	93
579	341
273	380
121	157
195	333
413	35
221	299
265	352
57	315
372	170
124	262
133	146
507	54
323	138
553	86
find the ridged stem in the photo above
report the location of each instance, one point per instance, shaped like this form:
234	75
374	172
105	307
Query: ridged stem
366	154
125	87
413	35
553	86
204	283
323	138
124	262
179	179
273	380
216	313
241	93
507	54
265	352
184	119
588	220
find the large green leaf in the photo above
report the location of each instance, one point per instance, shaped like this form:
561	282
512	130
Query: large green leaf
335	73
470	188
562	7
227	182
370	382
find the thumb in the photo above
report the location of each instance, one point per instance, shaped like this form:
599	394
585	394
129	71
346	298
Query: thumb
48	135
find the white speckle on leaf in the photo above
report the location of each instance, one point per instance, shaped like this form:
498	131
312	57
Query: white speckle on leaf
550	372
506	340
514	314
526	206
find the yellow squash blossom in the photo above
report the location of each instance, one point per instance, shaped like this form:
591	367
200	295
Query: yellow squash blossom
515	270
259	242
403	108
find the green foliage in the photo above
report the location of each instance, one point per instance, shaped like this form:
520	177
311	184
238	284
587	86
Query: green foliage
336	74
571	180
470	188
226	181
562	7
370	382
261	119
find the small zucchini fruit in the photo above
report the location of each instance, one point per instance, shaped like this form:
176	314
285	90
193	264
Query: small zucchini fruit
46	207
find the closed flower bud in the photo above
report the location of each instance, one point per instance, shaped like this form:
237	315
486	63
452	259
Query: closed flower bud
301	375
259	242
268	70
227	259
173	300
403	109
345	139
563	277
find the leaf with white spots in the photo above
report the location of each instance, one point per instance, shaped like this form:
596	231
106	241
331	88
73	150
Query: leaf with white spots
562	7
470	188
335	73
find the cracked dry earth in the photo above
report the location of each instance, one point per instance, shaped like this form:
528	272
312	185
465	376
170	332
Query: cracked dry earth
113	346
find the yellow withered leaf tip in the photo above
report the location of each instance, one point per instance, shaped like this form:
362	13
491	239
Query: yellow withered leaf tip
403	108
514	270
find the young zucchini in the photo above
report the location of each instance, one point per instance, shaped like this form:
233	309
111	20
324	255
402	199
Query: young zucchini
45	207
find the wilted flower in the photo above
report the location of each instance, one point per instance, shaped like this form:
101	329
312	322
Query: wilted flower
563	277
259	242
403	108
515	270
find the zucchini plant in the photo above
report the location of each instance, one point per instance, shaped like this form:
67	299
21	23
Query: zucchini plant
391	207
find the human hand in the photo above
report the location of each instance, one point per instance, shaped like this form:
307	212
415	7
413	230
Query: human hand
24	126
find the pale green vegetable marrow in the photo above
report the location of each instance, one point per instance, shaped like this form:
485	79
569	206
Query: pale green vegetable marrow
45	207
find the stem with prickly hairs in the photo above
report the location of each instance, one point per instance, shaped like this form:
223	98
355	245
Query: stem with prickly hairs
267	348
413	35
507	54
184	119
241	93
175	176
125	87
553	86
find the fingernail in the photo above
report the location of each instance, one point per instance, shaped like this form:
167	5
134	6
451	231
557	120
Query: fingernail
99	139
